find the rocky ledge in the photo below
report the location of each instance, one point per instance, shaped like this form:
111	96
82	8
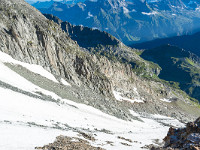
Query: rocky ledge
187	138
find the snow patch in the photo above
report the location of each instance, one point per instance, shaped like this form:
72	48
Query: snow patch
135	90
197	9
120	98
95	28
125	10
65	82
167	120
150	13
10	77
18	137
153	1
89	15
5	58
29	122
159	119
165	100
20	110
58	9
133	10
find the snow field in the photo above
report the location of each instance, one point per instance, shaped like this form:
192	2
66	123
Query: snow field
27	122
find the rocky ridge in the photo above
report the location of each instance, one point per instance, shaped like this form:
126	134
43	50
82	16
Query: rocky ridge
103	44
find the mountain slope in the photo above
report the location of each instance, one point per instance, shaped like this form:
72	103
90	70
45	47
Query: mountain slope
50	85
29	121
187	42
178	66
103	44
132	21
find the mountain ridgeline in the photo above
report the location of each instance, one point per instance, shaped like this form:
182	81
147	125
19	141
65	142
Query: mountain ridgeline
179	67
47	4
86	37
187	42
179	59
132	21
103	44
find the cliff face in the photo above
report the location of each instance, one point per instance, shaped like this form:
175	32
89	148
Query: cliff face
28	36
103	44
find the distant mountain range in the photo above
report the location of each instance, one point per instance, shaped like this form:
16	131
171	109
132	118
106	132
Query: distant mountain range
187	42
47	4
131	21
30	1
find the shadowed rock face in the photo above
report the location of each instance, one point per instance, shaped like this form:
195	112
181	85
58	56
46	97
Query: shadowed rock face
177	65
187	42
104	44
86	37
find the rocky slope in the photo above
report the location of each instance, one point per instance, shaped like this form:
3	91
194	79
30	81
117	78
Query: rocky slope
103	44
78	78
187	138
132	21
